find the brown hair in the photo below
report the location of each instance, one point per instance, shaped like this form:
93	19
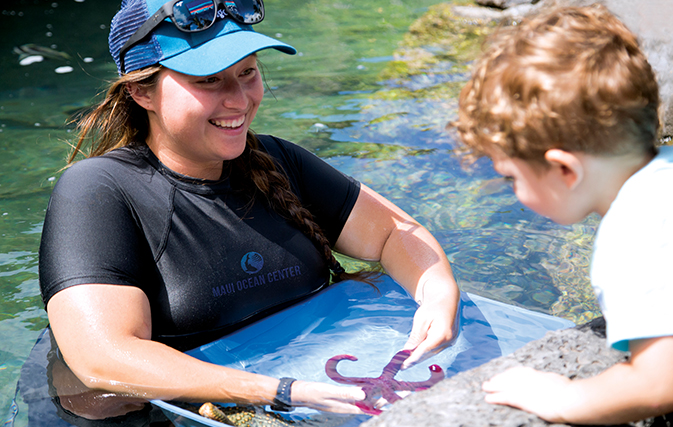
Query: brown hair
574	79
118	121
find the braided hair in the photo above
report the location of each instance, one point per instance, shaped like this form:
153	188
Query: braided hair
262	177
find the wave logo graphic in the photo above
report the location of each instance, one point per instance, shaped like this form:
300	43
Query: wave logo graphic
252	262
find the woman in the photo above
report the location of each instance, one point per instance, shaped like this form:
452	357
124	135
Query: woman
183	225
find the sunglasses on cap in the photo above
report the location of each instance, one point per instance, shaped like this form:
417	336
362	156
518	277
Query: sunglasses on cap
191	16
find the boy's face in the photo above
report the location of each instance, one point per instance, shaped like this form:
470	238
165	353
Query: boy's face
536	188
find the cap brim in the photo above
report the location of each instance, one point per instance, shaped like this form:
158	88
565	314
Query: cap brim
222	52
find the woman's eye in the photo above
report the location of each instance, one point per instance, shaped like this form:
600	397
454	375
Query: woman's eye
248	71
209	80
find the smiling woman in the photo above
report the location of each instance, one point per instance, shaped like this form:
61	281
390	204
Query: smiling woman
198	122
182	226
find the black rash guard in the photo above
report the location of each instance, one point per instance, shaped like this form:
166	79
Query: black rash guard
208	261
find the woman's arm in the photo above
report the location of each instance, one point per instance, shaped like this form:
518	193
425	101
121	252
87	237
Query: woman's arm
630	391
377	230
104	331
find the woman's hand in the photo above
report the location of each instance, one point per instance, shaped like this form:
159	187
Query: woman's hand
434	329
327	397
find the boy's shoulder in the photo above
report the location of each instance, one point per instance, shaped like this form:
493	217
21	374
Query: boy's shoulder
663	161
653	179
644	200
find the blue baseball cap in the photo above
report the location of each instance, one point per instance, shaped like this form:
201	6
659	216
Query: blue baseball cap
199	54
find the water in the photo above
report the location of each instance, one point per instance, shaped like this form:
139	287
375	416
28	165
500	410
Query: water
337	98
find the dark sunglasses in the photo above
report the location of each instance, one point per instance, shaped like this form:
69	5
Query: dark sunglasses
192	16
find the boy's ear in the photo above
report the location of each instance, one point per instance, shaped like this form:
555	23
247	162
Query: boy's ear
569	166
139	95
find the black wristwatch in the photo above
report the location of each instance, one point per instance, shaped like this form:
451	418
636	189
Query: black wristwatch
283	400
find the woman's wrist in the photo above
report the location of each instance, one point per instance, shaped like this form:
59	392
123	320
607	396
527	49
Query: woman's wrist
437	289
283	400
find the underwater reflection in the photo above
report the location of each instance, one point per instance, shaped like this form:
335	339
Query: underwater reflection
56	397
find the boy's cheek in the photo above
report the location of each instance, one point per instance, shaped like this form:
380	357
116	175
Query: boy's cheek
531	202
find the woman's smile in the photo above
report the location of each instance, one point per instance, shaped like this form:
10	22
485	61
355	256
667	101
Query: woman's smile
229	123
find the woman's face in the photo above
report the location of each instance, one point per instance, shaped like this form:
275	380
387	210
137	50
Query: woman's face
198	122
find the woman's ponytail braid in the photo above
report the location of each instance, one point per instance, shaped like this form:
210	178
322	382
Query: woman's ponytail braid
275	186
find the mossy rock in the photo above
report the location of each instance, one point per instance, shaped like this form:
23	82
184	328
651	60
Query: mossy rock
438	43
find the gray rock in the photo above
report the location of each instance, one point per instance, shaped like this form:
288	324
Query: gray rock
504	4
459	401
480	13
488	14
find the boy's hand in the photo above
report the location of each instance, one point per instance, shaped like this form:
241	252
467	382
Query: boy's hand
639	388
544	394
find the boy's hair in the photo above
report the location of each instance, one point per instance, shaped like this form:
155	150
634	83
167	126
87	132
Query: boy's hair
573	78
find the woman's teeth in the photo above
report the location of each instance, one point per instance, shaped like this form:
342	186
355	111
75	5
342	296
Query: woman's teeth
229	124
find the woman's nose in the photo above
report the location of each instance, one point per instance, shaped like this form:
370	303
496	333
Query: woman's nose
233	95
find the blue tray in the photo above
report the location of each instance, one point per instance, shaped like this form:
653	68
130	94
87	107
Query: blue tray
370	324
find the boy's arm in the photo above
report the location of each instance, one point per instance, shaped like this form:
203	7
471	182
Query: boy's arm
630	391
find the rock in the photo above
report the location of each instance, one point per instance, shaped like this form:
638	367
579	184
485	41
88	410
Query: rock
488	14
458	401
650	20
504	4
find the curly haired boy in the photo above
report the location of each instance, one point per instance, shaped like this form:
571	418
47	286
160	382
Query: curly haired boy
566	105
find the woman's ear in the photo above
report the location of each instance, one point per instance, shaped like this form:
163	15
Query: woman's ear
140	95
570	167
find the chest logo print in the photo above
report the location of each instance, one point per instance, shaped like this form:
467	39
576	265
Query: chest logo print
252	262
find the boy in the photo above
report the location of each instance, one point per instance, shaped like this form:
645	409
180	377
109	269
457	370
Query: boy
566	106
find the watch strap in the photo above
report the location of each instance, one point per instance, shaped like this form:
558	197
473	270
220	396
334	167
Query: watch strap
283	400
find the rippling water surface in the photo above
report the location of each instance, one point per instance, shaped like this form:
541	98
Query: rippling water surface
331	99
